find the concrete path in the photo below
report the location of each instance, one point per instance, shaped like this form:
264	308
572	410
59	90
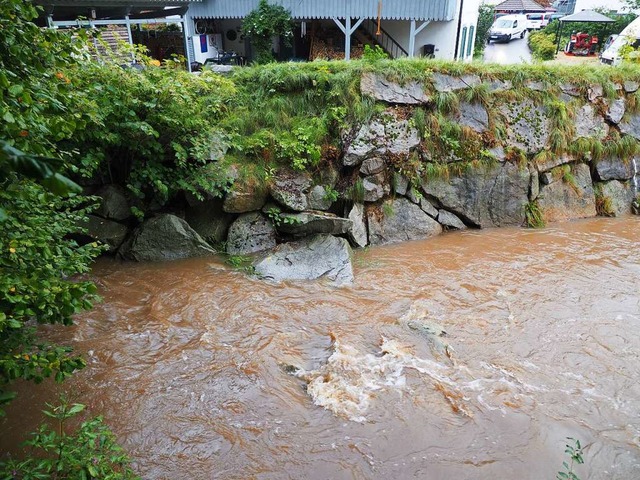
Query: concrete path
516	51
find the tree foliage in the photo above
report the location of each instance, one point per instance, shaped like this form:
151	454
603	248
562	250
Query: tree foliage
264	23
486	15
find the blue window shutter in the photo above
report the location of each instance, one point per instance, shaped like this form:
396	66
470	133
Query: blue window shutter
471	31
463	44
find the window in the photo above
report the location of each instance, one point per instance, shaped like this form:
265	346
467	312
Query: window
515	24
463	44
470	45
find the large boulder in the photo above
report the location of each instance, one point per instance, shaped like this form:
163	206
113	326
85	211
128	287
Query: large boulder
164	237
618	195
383	135
319	256
373	165
570	198
114	204
250	233
490	196
209	219
614	168
588	123
399	220
447	83
449	221
106	231
308	223
290	190
358	232
631	86
380	88
528	126
375	187
631	126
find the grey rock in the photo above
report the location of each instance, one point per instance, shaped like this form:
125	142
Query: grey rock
546	178
358	232
317	198
380	88
500	85
221	69
164	237
113	203
308	223
498	153
534	183
631	86
381	136
449	221
372	191
250	233
528	126
209	220
106	231
319	256
594	92
447	83
561	200
613	168
631	126
589	124
290	189
428	208
245	196
535	85
373	165
400	183
544	164
620	195
616	110
473	115
486	197
399	220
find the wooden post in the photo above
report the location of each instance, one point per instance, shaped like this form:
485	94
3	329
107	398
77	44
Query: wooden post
413	33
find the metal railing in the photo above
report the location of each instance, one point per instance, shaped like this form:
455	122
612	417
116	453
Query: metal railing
386	41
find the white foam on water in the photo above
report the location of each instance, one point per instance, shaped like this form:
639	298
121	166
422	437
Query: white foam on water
346	384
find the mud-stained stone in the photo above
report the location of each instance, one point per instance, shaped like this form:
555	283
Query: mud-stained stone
399	220
568	200
484	196
620	196
308	223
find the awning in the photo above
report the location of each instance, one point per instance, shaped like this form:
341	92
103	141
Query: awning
589	16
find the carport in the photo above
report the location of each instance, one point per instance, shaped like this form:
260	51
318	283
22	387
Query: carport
585	16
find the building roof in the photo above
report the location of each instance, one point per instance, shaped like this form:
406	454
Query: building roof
109	9
315	9
587	16
519	6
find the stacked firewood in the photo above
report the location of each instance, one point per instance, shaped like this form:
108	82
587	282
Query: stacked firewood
321	50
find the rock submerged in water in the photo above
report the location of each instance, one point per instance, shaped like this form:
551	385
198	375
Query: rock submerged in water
318	256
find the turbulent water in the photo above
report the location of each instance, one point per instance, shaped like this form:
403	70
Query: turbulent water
469	356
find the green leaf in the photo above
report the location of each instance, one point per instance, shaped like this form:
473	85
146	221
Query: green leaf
76	408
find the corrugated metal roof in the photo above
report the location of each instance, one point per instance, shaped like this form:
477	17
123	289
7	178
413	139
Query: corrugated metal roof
313	9
520	6
114	3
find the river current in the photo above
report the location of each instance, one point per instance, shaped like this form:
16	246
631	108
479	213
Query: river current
203	372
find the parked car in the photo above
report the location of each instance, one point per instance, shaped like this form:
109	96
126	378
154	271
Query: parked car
629	36
536	21
506	28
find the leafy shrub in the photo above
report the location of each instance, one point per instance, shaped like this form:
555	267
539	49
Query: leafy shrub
262	24
486	16
373	54
90	452
542	45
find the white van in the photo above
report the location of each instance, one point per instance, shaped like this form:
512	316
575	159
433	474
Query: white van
536	21
508	27
629	36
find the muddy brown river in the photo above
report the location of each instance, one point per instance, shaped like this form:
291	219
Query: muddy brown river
205	373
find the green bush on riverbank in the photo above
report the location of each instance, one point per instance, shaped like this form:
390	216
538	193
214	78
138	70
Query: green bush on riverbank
542	45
